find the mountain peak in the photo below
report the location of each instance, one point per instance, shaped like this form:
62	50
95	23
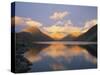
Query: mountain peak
31	29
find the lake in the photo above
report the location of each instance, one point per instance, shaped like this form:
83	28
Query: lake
54	56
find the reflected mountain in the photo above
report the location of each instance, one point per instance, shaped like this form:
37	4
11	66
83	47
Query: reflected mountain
25	39
91	49
32	53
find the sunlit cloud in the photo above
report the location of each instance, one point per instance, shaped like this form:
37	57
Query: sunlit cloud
60	31
55	32
89	24
16	20
32	26
71	29
33	23
28	23
25	21
59	15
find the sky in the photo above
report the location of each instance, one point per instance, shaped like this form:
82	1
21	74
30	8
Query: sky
78	14
50	17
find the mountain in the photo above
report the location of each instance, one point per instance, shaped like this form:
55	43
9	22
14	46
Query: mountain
25	40
32	34
24	43
90	35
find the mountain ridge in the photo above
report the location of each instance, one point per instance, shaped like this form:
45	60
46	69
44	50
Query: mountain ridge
35	34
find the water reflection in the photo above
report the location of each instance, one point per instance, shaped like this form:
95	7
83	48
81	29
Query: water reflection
61	57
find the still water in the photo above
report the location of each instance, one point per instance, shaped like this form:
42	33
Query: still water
61	56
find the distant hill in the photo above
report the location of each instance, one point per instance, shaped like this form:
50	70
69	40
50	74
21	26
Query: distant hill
90	35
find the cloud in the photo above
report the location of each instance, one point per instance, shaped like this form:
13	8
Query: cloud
55	32
25	21
68	23
57	66
62	29
58	32
58	15
89	24
54	50
59	50
16	20
33	23
32	56
71	29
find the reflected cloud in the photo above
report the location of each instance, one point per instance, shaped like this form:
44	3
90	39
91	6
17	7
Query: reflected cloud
67	52
55	50
32	56
60	56
57	66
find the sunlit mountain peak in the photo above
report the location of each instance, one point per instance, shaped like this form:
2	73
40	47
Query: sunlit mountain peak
31	29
